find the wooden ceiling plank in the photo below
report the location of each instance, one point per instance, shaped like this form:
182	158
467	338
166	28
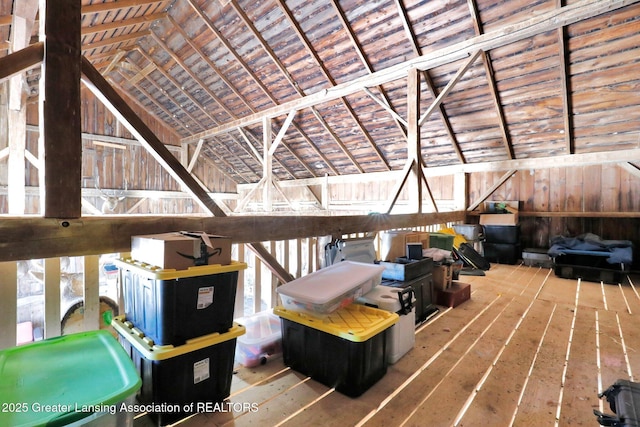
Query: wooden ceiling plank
115	25
193	100
108	41
179	123
215	98
402	12
60	145
206	88
231	86
291	81
309	49
231	50
115	5
527	28
119	108
363	58
449	87
493	88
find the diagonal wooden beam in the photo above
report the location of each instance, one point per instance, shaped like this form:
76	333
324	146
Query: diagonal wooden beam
311	51
115	5
115	40
484	196
145	19
94	81
16	62
567	104
402	12
363	58
449	87
527	28
495	94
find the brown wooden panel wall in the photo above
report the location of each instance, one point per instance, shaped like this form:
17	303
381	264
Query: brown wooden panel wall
599	188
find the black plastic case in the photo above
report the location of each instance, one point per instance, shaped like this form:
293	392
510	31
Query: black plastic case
624	400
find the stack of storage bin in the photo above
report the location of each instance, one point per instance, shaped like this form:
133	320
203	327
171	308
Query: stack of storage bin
416	275
502	243
178	329
329	338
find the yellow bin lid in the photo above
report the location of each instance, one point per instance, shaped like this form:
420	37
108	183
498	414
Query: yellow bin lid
154	272
354	322
150	351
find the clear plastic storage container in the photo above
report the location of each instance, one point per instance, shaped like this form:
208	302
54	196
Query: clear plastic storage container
326	290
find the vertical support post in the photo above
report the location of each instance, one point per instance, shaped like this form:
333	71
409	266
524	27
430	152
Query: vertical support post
413	140
8	303
239	304
91	293
60	144
52	297
460	200
267	165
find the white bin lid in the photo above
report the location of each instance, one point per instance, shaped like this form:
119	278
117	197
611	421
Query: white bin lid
331	282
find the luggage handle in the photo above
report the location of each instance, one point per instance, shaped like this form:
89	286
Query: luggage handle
406	300
606	420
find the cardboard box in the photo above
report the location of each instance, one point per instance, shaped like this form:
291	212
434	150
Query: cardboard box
181	250
394	243
455	295
499	213
442	276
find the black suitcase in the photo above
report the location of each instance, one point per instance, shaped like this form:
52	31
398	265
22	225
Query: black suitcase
470	256
624	400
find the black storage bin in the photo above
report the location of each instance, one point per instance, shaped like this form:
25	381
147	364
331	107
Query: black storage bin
423	291
592	268
173	378
351	357
502	234
502	253
173	306
624	400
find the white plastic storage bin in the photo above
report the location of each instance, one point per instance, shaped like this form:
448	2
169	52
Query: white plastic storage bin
262	340
328	289
402	335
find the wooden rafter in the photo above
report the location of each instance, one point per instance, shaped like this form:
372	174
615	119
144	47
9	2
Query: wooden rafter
115	5
116	25
119	108
303	38
527	28
109	41
402	12
486	61
567	105
293	83
206	88
386	103
195	102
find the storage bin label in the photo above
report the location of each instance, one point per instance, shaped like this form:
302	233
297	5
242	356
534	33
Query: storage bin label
205	297
201	371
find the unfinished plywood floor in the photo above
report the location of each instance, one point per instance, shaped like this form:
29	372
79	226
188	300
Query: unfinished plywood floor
528	349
